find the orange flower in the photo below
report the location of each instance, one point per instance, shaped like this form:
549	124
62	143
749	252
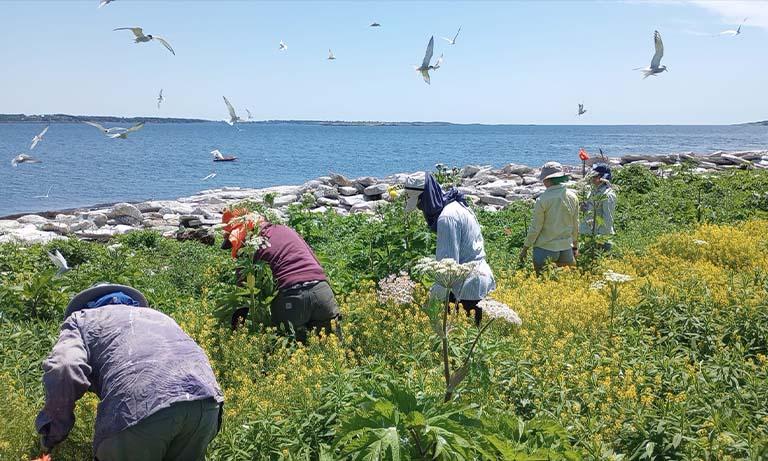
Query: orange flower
238	222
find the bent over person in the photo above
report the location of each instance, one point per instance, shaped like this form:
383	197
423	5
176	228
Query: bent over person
305	300
554	229
459	237
159	400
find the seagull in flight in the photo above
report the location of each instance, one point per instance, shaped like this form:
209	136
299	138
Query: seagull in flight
24	158
331	57
375	24
582	111
452	41
250	117
425	66
733	33
58	260
233	118
105	2
124	134
655	68
47	194
160	98
38	138
141	38
282	46
106	131
210	176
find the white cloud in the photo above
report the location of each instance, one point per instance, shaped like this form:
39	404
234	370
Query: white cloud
733	11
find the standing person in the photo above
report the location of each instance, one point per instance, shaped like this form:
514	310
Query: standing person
305	300
554	229
600	204
458	237
159	397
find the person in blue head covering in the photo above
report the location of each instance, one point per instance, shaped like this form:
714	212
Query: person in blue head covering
600	206
458	237
159	399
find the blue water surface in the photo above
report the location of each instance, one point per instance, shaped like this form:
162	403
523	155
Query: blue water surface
163	161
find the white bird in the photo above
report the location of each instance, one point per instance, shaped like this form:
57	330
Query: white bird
331	57
654	68
47	194
425	66
124	134
58	260
141	38
23	158
210	176
283	46
375	24
105	130
233	118
38	138
733	33
160	98
452	41
217	154
250	117
582	111
105	2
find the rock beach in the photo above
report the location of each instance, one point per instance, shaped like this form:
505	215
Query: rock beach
192	218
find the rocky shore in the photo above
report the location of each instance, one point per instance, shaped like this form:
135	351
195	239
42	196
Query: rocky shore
193	217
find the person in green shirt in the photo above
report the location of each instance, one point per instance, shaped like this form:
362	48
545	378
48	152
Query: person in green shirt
554	230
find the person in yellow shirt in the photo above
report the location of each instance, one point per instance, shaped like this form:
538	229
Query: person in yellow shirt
554	230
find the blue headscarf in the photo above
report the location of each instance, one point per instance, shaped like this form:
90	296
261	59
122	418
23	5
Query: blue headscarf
432	200
117	297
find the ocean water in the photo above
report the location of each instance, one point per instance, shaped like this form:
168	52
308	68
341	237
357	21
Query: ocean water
81	167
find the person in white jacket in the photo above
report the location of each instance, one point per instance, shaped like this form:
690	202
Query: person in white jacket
458	237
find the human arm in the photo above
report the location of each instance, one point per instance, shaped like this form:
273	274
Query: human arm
537	223
66	379
609	209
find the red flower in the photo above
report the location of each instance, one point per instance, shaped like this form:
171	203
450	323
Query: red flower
238	222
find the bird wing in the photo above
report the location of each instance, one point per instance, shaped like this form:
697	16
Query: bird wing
217	153
42	133
447	39
212	175
425	75
457	34
104	2
439	62
165	44
659	50
96	125
35	140
330	54
135	127
161	93
137	31
249	113
58	260
232	114
428	54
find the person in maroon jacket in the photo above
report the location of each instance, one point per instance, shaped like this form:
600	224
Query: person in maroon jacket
305	300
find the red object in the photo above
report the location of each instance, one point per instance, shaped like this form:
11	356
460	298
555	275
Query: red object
583	155
238	224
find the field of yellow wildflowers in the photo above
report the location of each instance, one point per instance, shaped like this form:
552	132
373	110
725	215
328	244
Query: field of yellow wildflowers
657	352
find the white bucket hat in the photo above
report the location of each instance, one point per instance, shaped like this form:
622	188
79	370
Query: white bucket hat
414	186
552	170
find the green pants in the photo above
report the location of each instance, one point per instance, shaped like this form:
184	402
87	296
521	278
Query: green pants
180	432
306	308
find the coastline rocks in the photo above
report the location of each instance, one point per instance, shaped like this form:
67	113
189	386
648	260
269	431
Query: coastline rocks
350	201
28	233
32	219
125	214
347	191
376	189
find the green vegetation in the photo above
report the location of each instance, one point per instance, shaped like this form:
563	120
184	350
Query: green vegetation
670	365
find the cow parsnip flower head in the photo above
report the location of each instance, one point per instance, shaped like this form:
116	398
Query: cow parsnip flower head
493	309
446	272
396	289
615	277
598	285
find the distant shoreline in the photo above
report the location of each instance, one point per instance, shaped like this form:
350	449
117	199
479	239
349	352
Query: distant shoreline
68	118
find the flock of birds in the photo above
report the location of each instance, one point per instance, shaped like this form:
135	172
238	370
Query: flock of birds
654	69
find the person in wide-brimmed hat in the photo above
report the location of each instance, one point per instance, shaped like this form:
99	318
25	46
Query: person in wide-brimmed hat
554	230
159	397
458	237
600	205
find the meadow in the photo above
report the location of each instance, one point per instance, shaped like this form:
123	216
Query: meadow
670	362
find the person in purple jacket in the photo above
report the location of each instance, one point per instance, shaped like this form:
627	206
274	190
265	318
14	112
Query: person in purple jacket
305	300
159	399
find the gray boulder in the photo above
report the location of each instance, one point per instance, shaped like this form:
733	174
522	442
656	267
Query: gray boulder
376	189
32	219
529	180
366	181
516	168
126	214
285	200
349	201
347	190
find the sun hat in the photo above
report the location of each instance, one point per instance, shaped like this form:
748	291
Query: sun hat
552	170
414	186
602	171
81	300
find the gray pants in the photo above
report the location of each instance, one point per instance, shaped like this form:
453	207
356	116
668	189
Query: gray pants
180	432
542	257
306	308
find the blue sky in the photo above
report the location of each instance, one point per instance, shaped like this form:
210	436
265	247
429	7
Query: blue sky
514	62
